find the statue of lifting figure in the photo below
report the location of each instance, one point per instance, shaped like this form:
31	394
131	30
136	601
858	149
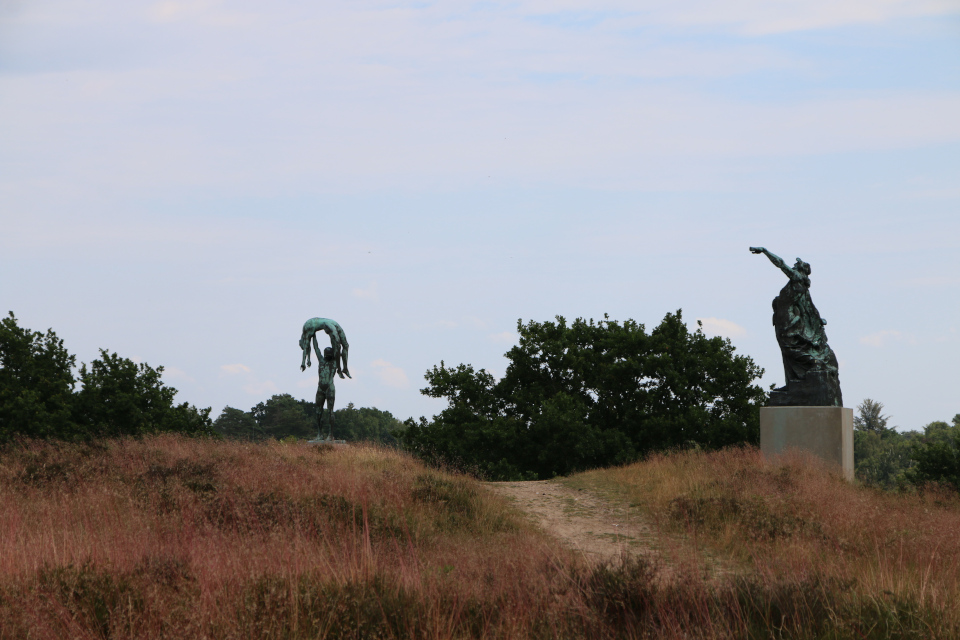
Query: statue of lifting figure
326	390
809	364
338	340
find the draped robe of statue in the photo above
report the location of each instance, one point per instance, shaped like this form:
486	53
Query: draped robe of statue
809	364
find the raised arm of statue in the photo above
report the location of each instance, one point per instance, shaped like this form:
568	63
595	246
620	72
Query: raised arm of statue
790	272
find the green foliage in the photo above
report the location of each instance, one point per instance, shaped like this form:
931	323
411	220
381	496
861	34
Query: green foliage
882	458
283	416
887	458
938	457
237	424
366	423
590	394
36	382
869	417
117	396
121	398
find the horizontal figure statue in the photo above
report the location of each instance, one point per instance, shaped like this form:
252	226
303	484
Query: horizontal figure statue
809	364
326	390
338	340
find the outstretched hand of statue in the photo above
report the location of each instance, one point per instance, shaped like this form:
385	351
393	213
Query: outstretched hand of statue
757	249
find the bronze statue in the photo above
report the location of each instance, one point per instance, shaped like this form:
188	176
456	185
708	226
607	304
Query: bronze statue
809	363
338	340
326	390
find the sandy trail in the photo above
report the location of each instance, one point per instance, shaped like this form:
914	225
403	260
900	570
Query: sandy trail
600	529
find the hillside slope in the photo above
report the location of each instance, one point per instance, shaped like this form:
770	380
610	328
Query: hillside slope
191	538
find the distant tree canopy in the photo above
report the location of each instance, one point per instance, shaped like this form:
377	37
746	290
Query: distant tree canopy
589	394
117	397
283	416
938	455
888	458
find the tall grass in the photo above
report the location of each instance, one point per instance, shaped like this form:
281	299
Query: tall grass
851	561
184	538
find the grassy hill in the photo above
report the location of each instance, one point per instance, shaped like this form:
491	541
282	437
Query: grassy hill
192	538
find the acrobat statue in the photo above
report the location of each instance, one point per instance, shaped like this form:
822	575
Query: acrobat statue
338	340
326	390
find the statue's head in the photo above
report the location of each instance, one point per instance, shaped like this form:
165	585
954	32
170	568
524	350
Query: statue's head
802	267
328	353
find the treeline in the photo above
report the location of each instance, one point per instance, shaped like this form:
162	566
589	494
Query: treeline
892	459
40	398
283	416
590	394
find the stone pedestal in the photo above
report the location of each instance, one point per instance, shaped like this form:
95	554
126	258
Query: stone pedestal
826	432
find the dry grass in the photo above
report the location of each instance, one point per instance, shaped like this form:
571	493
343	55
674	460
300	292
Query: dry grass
176	537
874	563
170	536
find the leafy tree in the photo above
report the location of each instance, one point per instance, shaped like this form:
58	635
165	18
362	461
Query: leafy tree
938	457
588	394
238	425
283	415
36	382
881	455
870	418
882	459
120	397
366	423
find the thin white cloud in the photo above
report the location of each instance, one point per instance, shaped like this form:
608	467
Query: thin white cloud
389	374
504	337
370	293
177	374
235	368
260	388
721	327
881	338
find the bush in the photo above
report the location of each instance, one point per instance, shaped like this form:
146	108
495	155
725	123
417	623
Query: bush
117	397
590	394
36	383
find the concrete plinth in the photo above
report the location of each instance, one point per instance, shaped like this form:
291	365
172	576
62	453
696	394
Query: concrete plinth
826	432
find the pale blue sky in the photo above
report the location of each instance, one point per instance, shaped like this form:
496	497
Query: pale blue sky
186	182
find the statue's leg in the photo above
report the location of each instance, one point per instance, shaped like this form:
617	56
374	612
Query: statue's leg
321	398
331	397
335	344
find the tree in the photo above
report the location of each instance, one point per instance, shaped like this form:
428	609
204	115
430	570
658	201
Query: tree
366	423
283	415
869	417
36	383
121	398
589	394
237	424
938	457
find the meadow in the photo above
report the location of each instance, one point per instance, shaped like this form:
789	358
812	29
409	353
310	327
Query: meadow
170	536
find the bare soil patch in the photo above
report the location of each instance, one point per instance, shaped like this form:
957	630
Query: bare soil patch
600	529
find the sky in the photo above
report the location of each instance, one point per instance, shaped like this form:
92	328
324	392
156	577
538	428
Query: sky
186	182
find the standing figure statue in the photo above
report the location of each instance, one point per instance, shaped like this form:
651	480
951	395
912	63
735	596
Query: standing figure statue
809	363
326	391
338	340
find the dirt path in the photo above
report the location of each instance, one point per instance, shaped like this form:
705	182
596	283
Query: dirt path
598	528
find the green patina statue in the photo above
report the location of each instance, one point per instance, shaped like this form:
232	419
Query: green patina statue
809	363
326	390
338	340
